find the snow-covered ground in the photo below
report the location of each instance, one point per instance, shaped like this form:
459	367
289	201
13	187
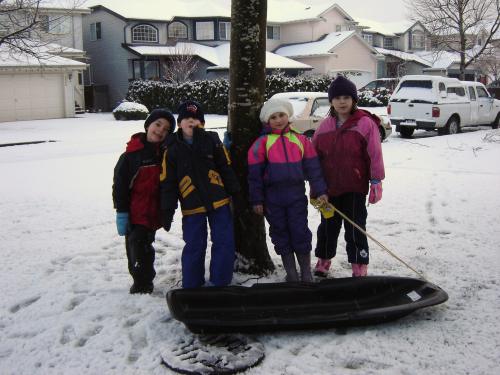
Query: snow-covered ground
65	307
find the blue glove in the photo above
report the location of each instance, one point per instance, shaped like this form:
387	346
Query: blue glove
122	223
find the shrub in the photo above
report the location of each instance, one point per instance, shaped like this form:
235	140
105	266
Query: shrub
130	111
213	95
374	98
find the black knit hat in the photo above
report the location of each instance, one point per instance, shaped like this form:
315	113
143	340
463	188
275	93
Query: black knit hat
160	113
192	109
342	86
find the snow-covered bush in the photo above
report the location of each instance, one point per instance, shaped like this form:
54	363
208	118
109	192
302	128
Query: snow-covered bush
374	98
130	111
214	94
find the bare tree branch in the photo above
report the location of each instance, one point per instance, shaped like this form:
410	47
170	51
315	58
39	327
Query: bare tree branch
26	26
456	23
181	64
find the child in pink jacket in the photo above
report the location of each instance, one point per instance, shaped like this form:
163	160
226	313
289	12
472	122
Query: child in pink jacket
350	153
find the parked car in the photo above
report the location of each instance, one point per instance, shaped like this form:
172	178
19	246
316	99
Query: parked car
441	103
380	83
310	108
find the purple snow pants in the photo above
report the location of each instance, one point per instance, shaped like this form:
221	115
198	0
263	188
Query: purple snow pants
288	226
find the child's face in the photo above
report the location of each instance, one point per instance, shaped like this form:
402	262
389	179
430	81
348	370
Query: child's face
158	130
278	120
342	105
188	124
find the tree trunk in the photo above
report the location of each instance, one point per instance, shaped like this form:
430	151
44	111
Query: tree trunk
246	95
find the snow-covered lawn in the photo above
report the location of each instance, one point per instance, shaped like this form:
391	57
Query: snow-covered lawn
65	307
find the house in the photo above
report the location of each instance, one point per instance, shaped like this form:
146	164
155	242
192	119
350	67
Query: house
37	88
51	85
338	52
127	41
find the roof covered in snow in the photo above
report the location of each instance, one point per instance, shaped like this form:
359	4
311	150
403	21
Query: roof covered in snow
324	46
218	56
15	59
404	56
385	28
296	10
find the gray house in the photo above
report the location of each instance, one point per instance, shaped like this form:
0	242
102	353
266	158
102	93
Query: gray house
122	48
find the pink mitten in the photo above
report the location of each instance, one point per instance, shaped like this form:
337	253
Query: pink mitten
375	192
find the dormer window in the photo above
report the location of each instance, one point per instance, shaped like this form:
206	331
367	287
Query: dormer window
177	30
144	33
418	40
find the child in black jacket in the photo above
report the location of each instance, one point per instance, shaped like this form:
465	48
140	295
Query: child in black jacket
198	174
136	186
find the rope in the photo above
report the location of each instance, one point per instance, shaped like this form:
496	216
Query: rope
327	206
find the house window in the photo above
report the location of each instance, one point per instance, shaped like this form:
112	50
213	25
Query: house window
368	39
177	30
338	28
418	41
224	30
145	69
55	24
95	31
388	43
273	32
144	33
205	30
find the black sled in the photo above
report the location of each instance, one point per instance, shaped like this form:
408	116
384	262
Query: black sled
282	306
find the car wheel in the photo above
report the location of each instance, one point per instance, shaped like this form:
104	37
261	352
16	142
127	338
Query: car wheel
494	124
453	126
406	132
309	133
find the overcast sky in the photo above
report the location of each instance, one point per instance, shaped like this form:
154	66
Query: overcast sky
376	10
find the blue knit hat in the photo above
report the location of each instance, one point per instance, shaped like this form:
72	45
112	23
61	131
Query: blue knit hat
160	113
342	86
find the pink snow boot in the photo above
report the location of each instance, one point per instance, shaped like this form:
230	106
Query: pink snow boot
322	267
359	269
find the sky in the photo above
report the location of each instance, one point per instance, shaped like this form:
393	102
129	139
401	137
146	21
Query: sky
65	306
379	11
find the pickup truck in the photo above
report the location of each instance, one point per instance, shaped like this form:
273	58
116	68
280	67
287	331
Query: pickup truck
442	104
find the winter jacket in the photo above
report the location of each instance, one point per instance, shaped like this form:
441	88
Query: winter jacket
136	182
199	175
278	165
351	155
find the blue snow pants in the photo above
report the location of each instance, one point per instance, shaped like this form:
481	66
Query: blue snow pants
194	229
288	227
353	206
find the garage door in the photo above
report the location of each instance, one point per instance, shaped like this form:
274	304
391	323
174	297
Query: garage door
31	96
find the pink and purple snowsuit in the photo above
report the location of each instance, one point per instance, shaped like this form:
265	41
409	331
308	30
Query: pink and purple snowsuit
278	165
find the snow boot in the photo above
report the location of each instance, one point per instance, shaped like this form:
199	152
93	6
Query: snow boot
290	267
137	288
359	269
305	267
322	267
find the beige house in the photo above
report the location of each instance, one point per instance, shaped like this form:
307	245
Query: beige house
50	86
325	37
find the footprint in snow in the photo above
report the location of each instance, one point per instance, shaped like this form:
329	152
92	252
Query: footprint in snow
23	304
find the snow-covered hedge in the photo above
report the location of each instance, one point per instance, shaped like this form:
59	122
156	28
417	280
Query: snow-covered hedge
213	94
374	98
130	111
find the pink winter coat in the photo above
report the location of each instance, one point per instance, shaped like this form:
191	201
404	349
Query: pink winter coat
350	156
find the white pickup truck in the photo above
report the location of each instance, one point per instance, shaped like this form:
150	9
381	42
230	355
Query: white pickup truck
445	104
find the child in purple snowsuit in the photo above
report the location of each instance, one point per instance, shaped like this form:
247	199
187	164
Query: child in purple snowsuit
278	164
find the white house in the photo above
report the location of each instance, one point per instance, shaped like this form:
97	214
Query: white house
32	88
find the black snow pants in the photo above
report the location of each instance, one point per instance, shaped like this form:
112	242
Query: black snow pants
353	206
141	254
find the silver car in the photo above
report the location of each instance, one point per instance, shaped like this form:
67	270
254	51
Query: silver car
310	108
